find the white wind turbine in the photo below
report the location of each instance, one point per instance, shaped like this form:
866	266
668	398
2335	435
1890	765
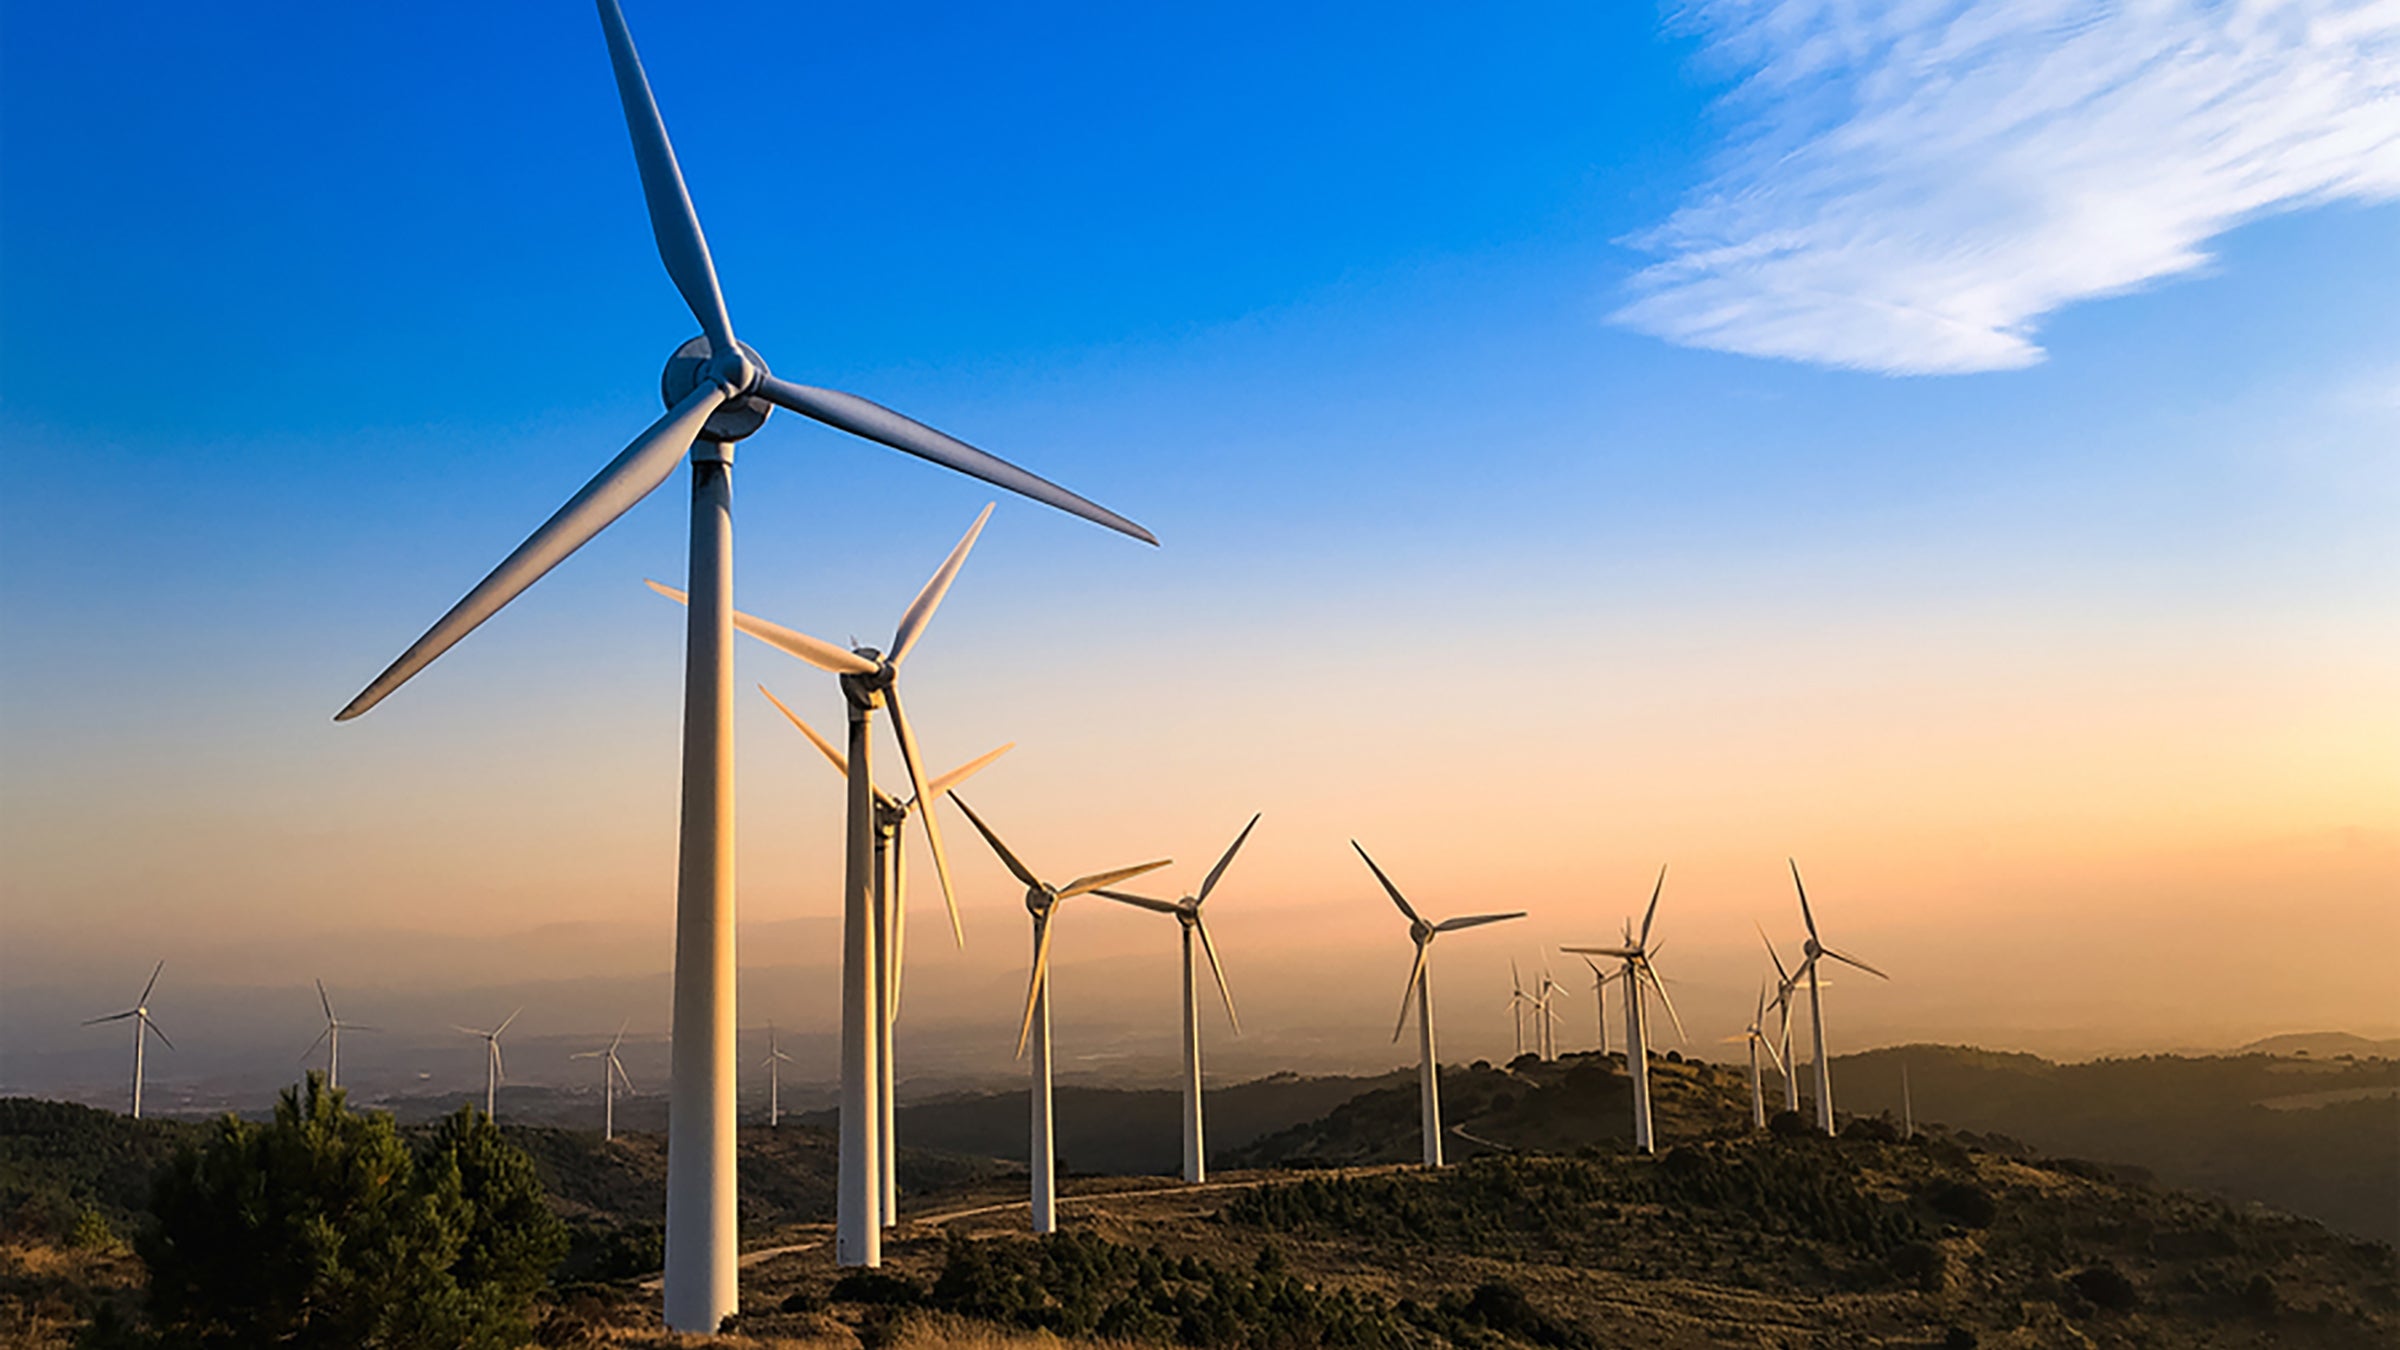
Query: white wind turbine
142	1027
1419	990
1756	1035
773	1064
1600	979
1637	972
717	391
493	1070
1518	1002
891	926
1782	1003
1042	901
331	1039
1546	1016
611	1073
870	680
1187	912
1812	950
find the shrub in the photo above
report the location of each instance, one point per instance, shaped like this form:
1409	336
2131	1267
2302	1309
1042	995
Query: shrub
1920	1263
2260	1297
1872	1129
1790	1125
877	1287
1965	1201
2105	1286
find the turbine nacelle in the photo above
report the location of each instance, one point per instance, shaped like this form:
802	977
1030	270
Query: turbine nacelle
736	374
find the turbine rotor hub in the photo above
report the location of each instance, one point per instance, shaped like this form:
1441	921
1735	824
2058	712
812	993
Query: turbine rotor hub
737	371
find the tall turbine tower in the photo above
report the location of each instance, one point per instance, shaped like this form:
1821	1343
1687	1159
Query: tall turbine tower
331	1039
1813	949
870	680
773	1064
493	1069
1042	901
142	1026
1600	979
1187	911
891	924
717	391
1638	975
611	1073
1420	991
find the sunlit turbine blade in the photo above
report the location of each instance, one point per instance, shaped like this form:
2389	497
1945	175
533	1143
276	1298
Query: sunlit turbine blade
873	421
1140	901
1773	1056
623	1077
144	1000
1652	912
112	1017
1661	986
1222	863
1475	921
1416	972
499	1065
504	1025
470	1031
1621	953
1805	916
1389	888
631	476
1854	961
1041	973
815	651
1007	859
920	610
1084	885
1217	968
969	769
673	222
841	762
619	1038
933	824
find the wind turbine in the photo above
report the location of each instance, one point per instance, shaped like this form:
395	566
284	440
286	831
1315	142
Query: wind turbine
891	931
1518	1002
331	1039
611	1073
1636	953
1756	1035
142	1026
1042	901
1420	989
1187	912
773	1064
1600	979
493	1070
717	390
1546	1017
1782	1003
870	680
1908	1106
1812	950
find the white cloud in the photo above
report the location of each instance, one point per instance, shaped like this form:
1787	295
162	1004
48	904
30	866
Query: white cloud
1913	184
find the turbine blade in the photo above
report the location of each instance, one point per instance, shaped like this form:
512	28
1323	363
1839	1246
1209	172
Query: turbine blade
1652	912
968	770
1217	968
673	222
632	475
504	1026
499	1064
623	1077
1389	888
1222	863
1041	973
328	1002
1661	986
1083	885
1140	901
920	610
1515	982
1475	921
815	651
152	1026
1620	953
874	422
1781	975
1408	992
468	1030
1854	961
320	1040
1805	916
112	1017
1007	859
1774	1056
619	1038
144	1000
933	824
841	763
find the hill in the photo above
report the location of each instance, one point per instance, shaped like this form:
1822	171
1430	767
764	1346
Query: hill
2323	1045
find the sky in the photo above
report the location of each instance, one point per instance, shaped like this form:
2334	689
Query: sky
1948	444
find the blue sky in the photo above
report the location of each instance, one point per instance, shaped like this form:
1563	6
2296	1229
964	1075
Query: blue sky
1538	335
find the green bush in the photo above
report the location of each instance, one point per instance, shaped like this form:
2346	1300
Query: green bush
1965	1201
321	1228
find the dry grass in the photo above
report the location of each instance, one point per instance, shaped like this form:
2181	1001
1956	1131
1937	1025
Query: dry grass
48	1292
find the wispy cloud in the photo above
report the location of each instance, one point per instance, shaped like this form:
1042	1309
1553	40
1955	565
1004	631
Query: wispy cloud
1913	184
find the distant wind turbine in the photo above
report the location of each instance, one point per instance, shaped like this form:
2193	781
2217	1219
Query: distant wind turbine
611	1073
1813	950
331	1039
773	1064
1518	1003
1041	901
142	1027
1546	1016
1782	1003
493	1071
1756	1035
1908	1106
1637	974
1419	991
1187	912
718	390
1600	979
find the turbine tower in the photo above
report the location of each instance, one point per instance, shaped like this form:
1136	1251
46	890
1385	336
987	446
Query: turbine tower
1600	979
869	681
1637	972
142	1027
1420	989
717	391
493	1070
773	1064
1042	901
1518	1002
331	1039
891	919
1812	950
1545	1017
1756	1035
611	1073
1187	912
